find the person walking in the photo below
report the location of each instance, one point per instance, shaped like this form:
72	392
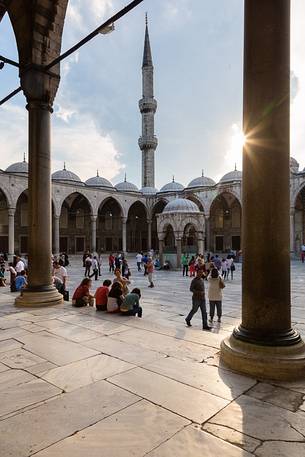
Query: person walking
185	264
88	263
224	267
198	301
232	268
139	261
111	262
150	270
94	268
216	284
125	269
192	267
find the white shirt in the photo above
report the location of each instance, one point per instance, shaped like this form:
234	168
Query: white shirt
19	266
139	258
61	273
94	264
229	263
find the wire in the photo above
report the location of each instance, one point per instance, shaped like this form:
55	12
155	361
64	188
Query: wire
85	40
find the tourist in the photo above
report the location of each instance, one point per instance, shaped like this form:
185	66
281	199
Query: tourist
157	264
88	263
131	304
217	262
303	252
200	265
192	267
94	266
216	284
144	261
139	260
58	284
60	272
82	295
232	268
123	281
117	261
229	264
101	296
13	275
19	267
111	263
20	281
185	264
198	300
224	268
150	270
125	269
66	260
115	298
2	278
85	255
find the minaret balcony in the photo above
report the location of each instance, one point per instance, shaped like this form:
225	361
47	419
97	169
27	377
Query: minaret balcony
148	105
148	142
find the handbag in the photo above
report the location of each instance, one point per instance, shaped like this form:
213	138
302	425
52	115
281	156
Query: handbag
221	284
232	267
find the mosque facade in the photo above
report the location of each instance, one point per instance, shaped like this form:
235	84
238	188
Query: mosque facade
102	217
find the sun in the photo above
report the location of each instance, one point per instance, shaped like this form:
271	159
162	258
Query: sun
236	143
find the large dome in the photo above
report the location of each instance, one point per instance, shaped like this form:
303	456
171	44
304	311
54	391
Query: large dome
126	186
181	205
172	187
98	181
202	181
18	167
66	176
148	191
234	175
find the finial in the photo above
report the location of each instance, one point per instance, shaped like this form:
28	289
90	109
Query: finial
146	20
235	169
24	156
173	178
97	175
202	173
65	166
125	178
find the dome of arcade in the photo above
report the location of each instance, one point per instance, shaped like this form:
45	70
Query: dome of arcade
148	191
234	175
201	181
98	181
181	205
294	165
18	167
66	176
172	187
126	186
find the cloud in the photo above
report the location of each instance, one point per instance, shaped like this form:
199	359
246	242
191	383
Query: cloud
13	128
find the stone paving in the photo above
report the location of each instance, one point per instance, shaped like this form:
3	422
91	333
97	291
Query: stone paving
74	382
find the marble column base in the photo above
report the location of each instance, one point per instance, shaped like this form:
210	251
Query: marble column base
279	363
36	299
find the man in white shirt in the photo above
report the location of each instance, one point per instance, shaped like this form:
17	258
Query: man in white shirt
19	266
60	272
94	265
139	261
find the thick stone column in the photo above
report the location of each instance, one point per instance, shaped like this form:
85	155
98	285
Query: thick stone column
292	231
124	234
56	220
149	222
40	291
93	233
264	345
11	232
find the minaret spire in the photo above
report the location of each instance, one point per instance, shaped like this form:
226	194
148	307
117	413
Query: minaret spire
148	105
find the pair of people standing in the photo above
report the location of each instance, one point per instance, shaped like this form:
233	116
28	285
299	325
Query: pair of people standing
216	284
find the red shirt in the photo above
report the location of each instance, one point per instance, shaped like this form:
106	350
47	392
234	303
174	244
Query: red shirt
101	295
80	292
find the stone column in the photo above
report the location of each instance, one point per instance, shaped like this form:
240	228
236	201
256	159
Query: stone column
40	291
124	234
179	251
56	220
11	232
149	234
207	231
264	345
292	232
93	233
161	244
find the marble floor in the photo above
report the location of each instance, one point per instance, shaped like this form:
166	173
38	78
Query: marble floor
76	382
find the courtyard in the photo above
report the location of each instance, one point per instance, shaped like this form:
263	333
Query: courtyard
74	382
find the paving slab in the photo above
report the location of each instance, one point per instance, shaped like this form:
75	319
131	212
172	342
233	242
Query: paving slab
20	358
11	378
281	449
187	401
232	436
277	396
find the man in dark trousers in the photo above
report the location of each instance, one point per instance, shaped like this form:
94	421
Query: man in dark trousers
198	299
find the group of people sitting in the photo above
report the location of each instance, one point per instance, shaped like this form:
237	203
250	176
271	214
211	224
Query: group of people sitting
112	297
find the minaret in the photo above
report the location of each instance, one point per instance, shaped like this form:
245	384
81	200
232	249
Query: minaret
148	105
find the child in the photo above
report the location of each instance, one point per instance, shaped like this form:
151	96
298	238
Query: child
216	284
131	304
101	296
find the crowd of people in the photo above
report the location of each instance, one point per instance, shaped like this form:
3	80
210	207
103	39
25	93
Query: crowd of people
191	265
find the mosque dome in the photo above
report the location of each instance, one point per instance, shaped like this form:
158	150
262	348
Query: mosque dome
294	165
234	175
181	205
148	191
202	181
126	186
172	187
18	167
98	181
66	176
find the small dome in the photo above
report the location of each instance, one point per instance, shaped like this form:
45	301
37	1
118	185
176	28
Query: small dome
234	175
126	186
294	165
181	205
98	181
18	167
172	187
202	181
65	175
148	190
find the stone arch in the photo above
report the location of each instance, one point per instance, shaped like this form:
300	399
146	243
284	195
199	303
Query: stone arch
4	235
65	194
110	225
137	227
296	193
298	227
157	208
196	200
21	223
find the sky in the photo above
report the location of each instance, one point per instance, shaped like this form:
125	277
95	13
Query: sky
197	48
